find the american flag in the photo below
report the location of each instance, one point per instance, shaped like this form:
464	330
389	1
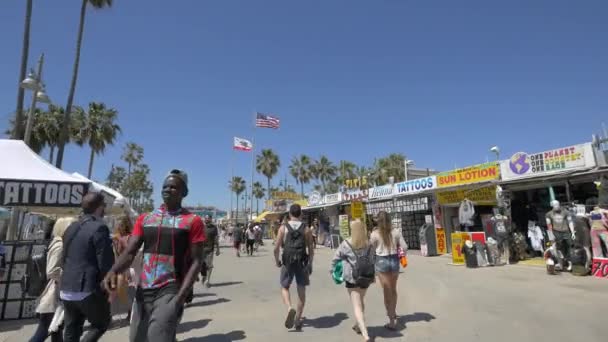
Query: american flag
267	121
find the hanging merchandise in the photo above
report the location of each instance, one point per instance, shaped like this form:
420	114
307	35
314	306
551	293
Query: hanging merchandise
599	231
470	254
466	213
535	234
519	247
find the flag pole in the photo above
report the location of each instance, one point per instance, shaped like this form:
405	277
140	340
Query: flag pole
252	165
231	179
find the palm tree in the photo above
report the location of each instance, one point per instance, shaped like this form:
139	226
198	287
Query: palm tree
268	163
325	171
25	50
99	130
390	166
258	192
300	170
132	155
98	4
117	177
237	185
38	139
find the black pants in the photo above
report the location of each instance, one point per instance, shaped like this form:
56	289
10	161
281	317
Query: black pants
564	244
42	332
250	244
96	309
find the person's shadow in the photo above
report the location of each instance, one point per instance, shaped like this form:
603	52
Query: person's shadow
229	283
194	325
209	302
402	322
325	322
237	335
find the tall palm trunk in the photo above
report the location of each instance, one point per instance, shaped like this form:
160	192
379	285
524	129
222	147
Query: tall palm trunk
257	206
68	108
25	50
90	173
52	154
237	208
302	185
268	192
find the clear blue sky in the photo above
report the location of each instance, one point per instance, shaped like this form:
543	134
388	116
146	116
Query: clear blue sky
440	81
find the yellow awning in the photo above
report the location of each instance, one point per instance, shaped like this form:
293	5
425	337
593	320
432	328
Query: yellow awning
262	216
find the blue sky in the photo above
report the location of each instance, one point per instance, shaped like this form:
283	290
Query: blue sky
440	81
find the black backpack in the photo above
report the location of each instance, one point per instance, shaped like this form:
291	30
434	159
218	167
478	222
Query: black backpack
364	269
35	280
294	248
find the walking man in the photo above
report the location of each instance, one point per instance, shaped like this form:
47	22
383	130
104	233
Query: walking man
87	258
237	237
250	234
296	262
172	239
211	245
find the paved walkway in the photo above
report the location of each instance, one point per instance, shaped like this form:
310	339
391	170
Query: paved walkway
438	303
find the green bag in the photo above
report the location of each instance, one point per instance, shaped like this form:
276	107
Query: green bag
337	273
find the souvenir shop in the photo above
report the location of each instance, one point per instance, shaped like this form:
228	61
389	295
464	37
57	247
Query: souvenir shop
568	175
410	207
327	210
466	198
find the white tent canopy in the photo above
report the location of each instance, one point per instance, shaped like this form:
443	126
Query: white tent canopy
27	180
119	203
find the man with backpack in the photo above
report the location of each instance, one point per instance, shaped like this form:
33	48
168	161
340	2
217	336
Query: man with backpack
296	262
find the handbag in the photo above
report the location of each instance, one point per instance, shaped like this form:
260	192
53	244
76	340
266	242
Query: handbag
337	273
402	257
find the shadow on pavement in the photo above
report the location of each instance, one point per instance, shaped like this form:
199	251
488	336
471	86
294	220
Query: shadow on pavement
209	302
326	322
12	325
194	325
201	295
228	283
237	335
402	322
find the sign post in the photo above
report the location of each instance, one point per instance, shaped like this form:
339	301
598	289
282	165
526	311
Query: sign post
357	210
442	247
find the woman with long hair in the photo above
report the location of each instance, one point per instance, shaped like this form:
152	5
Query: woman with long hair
48	302
126	285
388	243
358	244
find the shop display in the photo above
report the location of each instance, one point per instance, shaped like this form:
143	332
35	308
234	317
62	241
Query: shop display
535	234
482	254
501	228
466	213
519	247
553	259
559	222
470	254
492	252
599	231
579	261
427	239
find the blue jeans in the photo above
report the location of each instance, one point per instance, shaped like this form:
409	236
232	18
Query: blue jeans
387	264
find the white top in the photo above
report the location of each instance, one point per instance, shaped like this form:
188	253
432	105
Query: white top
381	249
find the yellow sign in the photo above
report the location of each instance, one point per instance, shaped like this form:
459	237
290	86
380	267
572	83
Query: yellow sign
357	210
344	227
481	196
360	182
457	243
286	195
442	247
469	175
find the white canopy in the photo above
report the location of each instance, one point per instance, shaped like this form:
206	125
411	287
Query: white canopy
119	203
27	180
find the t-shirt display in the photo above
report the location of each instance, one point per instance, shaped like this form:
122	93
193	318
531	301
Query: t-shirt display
559	219
500	224
492	251
536	237
466	213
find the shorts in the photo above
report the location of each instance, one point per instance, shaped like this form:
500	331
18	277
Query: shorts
387	264
354	286
237	244
208	260
300	273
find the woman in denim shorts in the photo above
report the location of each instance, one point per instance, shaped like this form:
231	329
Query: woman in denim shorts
387	242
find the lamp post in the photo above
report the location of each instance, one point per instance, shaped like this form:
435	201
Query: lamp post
406	163
34	83
496	150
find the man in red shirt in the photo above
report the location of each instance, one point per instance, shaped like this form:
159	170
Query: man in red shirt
172	240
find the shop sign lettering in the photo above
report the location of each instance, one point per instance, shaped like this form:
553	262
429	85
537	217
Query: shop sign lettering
469	175
41	194
485	195
381	191
600	268
333	198
355	195
416	185
441	242
522	165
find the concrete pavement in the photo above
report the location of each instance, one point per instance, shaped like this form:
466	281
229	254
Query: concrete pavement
438	302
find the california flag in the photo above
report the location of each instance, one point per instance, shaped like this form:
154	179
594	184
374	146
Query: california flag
242	144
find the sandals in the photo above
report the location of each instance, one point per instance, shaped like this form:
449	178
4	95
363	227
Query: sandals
387	326
291	319
356	329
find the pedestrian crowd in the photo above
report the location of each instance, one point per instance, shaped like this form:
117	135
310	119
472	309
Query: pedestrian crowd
150	267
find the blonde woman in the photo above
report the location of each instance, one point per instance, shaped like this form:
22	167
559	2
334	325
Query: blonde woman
49	299
352	253
387	242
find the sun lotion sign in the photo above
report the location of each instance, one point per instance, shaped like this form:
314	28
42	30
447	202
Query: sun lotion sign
469	175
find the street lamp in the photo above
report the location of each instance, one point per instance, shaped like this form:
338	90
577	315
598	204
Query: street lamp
406	163
496	150
33	82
